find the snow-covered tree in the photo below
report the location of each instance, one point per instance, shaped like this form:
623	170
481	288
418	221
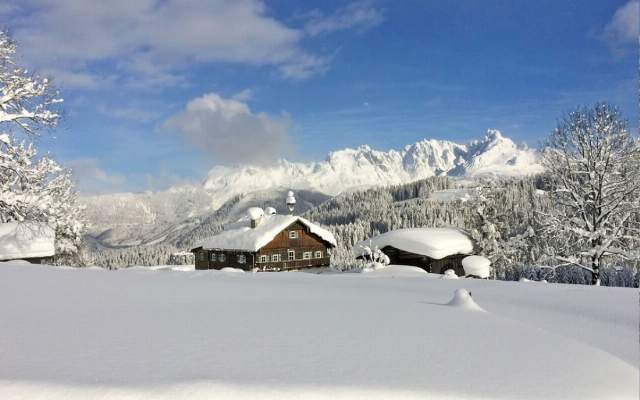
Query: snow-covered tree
39	189
33	188
503	232
27	102
593	165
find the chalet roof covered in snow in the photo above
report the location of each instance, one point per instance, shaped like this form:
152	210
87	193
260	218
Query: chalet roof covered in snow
436	243
241	236
26	240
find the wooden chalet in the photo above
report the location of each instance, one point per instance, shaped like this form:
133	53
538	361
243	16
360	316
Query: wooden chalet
433	249
266	242
28	241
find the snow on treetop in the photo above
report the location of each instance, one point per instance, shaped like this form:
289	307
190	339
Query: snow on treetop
436	243
26	240
240	236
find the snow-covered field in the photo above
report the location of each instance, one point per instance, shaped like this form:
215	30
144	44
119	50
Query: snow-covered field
389	334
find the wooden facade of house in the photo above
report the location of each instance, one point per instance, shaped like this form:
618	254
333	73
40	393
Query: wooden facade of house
401	257
436	266
38	260
295	247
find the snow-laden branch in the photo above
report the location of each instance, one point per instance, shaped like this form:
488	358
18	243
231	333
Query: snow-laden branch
26	101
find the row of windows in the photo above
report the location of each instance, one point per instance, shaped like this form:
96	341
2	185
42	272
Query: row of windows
291	256
242	259
221	257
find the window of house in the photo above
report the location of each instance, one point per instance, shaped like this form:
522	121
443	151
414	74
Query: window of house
291	254
318	254
212	256
201	256
242	259
293	234
275	257
222	257
306	255
264	259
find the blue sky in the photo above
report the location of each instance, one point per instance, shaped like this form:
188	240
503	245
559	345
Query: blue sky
157	92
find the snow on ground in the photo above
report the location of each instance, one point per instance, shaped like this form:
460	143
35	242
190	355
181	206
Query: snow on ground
449	195
142	333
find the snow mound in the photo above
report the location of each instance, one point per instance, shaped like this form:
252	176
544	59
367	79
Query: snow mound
462	299
449	274
449	195
255	213
477	266
436	243
233	270
396	270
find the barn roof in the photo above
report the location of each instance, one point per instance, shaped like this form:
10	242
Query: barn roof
26	240
436	243
240	235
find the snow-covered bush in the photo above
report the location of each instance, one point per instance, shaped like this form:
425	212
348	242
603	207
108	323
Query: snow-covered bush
181	258
450	274
373	258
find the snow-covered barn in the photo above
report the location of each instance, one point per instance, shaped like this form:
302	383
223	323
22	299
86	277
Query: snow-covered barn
432	249
29	241
268	242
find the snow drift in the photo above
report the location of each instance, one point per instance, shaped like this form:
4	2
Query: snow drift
208	334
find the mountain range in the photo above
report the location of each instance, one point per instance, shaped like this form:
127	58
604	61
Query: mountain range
127	219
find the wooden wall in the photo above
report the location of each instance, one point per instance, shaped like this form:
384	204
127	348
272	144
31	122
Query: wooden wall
397	256
282	243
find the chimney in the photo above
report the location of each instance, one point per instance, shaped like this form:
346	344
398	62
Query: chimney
291	201
255	215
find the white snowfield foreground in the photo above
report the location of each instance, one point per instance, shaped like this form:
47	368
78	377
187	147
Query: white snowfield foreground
398	334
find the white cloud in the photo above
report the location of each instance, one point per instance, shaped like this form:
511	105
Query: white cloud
157	39
228	131
243	95
624	27
92	179
360	15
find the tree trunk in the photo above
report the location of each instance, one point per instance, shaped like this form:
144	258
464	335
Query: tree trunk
595	266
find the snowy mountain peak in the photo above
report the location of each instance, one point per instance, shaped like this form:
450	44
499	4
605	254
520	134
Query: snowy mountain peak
365	167
134	218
